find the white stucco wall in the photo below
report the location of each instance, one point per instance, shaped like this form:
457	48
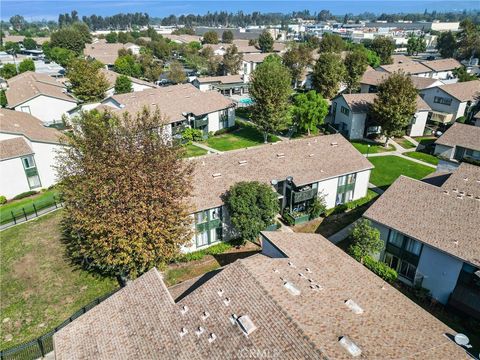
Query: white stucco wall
47	109
13	180
45	159
443	151
213	121
418	128
361	184
329	189
440	272
455	108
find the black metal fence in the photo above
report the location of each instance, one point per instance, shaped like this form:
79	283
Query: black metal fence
30	211
43	345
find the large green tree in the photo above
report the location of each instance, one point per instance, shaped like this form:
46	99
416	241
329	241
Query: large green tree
328	73
176	73
265	42
309	110
29	43
356	63
446	44
331	43
111	37
116	222
69	38
88	83
395	105
210	37
8	71
365	239
462	74
270	91
296	59
416	44
128	65
232	60
26	65
384	48
252	207
61	56
468	40
227	37
123	84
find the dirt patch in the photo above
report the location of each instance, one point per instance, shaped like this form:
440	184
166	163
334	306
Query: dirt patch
24	269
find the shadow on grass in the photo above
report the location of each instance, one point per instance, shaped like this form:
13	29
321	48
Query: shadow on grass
228	258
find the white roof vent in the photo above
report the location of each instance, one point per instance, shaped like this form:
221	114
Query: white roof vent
205	315
216	175
242	162
233	319
352	305
280	155
226	301
200	330
291	288
212	337
350	346
334	143
183	332
311	155
122	106
184	309
246	324
220	292
308	270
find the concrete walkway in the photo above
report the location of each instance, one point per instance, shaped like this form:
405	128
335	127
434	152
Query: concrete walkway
205	147
342	234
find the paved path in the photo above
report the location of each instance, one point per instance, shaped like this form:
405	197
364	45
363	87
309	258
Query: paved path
205	147
342	234
412	140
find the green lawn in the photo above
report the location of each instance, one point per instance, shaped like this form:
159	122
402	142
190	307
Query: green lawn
425	140
40	288
389	168
41	200
244	137
405	143
192	151
362	146
423	157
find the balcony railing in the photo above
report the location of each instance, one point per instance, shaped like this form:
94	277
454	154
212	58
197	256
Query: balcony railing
301	196
346	187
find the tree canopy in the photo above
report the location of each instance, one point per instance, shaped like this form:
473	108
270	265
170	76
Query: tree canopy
210	37
265	42
29	43
366	239
232	60
331	43
356	63
127	65
468	40
296	59
176	73
446	44
111	37
416	44
88	83
328	73
116	222
8	71
72	38
384	48
227	37
309	110
123	84
252	207
26	65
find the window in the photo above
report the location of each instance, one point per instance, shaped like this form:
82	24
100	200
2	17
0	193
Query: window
201	217
395	238
216	213
202	238
392	261
345	110
345	188
31	172
25	109
28	162
33	181
223	119
442	100
413	246
407	270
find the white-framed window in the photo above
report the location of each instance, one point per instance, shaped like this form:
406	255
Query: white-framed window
395	238
34	181
201	217
407	270
442	100
202	238
413	246
28	162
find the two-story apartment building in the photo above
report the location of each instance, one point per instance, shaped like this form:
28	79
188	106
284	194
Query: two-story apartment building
460	142
137	84
371	79
298	170
250	62
27	153
227	85
107	53
350	115
39	95
442	69
301	298
431	235
182	105
451	101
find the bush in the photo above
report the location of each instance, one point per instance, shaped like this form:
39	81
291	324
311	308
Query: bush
377	267
212	250
317	207
25	194
226	130
3	199
190	135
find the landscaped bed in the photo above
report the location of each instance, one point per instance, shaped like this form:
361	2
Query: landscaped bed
244	137
40	288
192	151
389	168
404	143
423	157
375	148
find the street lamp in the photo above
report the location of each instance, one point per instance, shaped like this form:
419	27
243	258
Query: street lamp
368	149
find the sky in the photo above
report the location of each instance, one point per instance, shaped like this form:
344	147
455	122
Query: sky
49	10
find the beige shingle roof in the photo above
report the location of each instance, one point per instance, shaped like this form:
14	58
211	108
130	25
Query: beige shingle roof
28	85
408	68
256	58
13	148
227	79
141	321
463	91
467	136
20	38
103	51
17	122
171	101
111	77
437	216
377	77
361	101
306	160
442	64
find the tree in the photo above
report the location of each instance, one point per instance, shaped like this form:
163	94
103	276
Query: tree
296	59
123	84
270	91
462	74
252	207
68	38
26	65
88	83
328	72
127	65
356	63
210	37
116	222
150	67
29	43
366	239
232	60
227	37
18	22
111	37
331	43
12	47
384	48
395	105
309	110
3	99
8	71
61	56
416	44
265	42
446	44
176	73
468	40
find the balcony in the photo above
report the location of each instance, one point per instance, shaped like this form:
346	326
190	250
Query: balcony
295	218
466	298
305	195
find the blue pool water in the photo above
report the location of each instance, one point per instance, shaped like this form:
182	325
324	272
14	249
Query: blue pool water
246	101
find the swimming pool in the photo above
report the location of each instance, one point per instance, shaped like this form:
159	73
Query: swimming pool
246	101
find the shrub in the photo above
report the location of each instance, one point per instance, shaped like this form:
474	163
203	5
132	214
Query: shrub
317	207
190	135
377	267
227	130
3	199
25	194
200	254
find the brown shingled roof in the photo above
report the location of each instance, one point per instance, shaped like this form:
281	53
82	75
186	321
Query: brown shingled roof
408	68
28	85
463	91
104	52
442	64
172	101
377	77
306	160
467	136
13	148
227	79
256	58
17	122
141	321
111	77
439	216
360	102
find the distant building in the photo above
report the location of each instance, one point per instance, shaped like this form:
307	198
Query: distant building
107	53
227	85
137	84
